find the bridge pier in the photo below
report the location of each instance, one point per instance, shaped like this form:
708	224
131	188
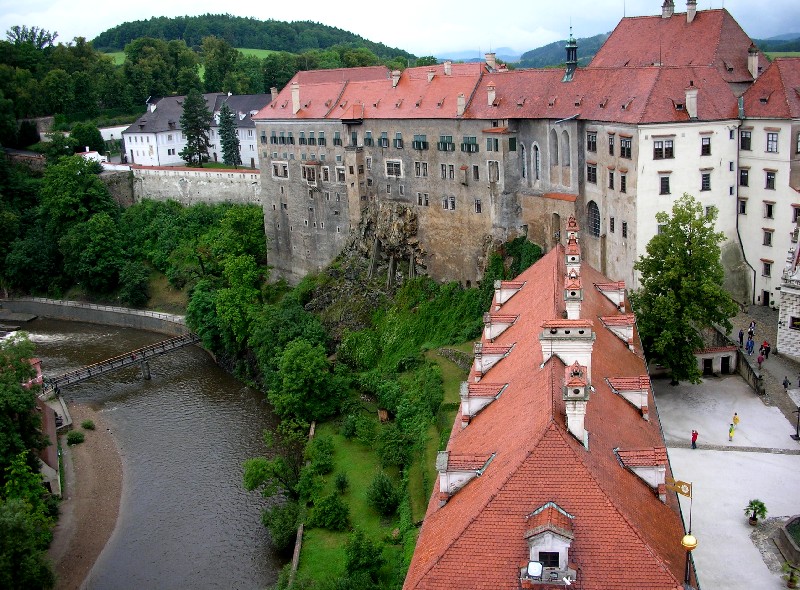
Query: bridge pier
145	370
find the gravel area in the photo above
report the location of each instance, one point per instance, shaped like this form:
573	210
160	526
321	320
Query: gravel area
91	499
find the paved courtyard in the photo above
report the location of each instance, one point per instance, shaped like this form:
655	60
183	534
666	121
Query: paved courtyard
761	461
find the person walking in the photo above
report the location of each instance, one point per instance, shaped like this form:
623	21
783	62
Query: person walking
749	346
741	338
767	348
786	382
760	359
694	439
735	420
752	329
731	430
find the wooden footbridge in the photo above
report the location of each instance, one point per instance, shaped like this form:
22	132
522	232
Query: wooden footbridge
140	356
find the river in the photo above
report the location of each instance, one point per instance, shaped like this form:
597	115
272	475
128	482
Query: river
185	520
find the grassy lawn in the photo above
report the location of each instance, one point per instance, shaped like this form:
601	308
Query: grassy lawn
422	474
164	297
117	56
322	556
773	54
259	53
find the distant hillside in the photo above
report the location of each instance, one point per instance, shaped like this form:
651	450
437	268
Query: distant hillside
294	37
784	37
505	54
778	44
555	54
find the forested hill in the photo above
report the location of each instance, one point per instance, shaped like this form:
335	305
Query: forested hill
555	53
294	37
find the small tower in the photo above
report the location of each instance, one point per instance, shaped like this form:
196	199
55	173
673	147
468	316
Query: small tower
572	57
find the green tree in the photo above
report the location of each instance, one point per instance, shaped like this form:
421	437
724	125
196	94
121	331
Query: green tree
228	136
20	424
281	473
87	135
306	387
23	562
219	58
382	495
25	483
363	555
38	38
92	252
426	60
196	126
681	287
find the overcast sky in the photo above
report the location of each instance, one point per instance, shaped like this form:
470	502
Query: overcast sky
422	27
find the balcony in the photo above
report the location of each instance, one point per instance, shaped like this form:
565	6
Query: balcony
533	574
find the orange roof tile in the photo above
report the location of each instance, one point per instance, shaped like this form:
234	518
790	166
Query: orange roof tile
713	38
625	319
637	383
560	197
478	539
776	93
485	389
643	457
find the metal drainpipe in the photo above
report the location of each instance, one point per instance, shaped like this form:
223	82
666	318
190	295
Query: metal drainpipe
738	233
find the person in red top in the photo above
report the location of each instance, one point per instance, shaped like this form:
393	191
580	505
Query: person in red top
694	439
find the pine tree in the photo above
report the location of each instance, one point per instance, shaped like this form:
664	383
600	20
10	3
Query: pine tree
196	126
681	287
228	137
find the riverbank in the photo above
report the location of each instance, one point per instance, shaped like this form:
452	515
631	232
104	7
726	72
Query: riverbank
91	499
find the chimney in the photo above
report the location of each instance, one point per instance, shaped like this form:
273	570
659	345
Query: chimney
752	61
86	149
431	74
490	91
691	10
576	398
667	9
570	340
491	61
395	78
691	100
295	97
460	104
448	67
274	93
573	295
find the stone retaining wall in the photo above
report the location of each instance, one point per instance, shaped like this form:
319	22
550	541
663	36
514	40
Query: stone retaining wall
194	185
91	313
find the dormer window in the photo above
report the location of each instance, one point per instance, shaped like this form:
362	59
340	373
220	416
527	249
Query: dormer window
549	535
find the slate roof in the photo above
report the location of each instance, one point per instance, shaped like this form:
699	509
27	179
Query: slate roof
713	38
624	536
168	111
776	93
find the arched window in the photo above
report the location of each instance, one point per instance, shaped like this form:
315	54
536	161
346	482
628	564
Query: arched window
537	163
524	162
594	219
565	151
553	148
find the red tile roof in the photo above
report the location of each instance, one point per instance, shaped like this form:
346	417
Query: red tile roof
713	38
624	537
776	93
643	457
485	389
637	383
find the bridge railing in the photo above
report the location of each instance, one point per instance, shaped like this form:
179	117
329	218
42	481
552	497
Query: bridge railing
178	319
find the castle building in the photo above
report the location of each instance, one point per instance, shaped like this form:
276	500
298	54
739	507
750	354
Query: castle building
556	470
440	165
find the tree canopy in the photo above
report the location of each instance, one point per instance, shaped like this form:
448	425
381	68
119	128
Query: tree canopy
228	137
681	287
196	126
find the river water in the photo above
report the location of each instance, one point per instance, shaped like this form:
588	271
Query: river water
185	520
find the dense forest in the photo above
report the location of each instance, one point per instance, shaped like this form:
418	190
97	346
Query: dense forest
294	37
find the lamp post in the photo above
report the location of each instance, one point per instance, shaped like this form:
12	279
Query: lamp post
689	542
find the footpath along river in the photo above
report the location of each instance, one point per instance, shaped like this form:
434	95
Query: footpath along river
185	520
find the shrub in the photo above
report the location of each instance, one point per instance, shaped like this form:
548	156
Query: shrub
75	437
281	521
362	555
330	513
365	429
87	425
134	279
310	484
382	495
341	483
393	447
348	427
320	452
